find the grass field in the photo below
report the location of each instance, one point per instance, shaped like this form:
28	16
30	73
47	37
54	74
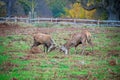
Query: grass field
17	63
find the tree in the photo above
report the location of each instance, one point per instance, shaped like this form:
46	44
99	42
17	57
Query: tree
30	5
111	6
77	11
57	7
43	9
2	4
2	8
9	4
11	8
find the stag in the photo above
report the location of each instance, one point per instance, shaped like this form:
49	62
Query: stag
76	39
45	40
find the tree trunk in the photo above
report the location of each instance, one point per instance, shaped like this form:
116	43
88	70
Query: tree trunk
112	15
9	6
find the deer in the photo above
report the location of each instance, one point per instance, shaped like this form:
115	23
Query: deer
45	40
77	39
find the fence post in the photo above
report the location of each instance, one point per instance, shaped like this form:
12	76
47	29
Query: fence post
15	19
98	23
56	20
7	19
74	21
27	20
51	20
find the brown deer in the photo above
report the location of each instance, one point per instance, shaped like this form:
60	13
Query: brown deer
45	40
76	39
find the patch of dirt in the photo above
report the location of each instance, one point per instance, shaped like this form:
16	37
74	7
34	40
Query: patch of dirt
14	79
10	29
112	36
7	66
114	75
89	53
58	57
113	53
35	50
29	57
79	77
112	31
112	62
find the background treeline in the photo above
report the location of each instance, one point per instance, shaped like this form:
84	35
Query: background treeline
84	9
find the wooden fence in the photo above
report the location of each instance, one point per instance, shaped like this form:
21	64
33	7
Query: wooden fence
65	21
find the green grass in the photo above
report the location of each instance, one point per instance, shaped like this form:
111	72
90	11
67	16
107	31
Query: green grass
55	65
49	25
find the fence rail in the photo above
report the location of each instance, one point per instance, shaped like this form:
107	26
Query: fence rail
59	20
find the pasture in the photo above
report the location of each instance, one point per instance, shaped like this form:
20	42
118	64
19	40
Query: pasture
18	63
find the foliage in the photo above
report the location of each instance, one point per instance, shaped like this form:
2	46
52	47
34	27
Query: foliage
76	11
1	4
2	9
62	8
103	16
90	14
29	5
57	7
26	5
110	6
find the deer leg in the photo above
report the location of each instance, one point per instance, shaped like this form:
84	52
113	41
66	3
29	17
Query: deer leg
83	42
76	48
50	48
83	49
35	44
83	45
46	46
67	51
